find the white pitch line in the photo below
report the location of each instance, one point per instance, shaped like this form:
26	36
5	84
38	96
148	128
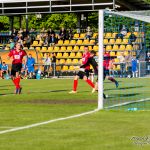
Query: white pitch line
47	122
127	103
1	127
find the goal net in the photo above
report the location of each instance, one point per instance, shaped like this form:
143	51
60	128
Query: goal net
124	58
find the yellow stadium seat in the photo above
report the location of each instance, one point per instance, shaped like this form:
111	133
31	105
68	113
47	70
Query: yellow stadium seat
72	42
66	42
86	42
81	48
59	55
40	43
50	48
76	35
126	53
112	54
35	43
68	61
118	41
115	47
69	48
82	35
60	42
65	55
79	54
95	48
118	67
56	48
75	61
62	61
38	48
58	68
114	35
65	68
128	34
125	41
108	48
136	34
57	61
108	35
129	47
118	54
72	55
105	41
44	49
92	41
111	41
90	48
76	48
116	60
63	48
95	35
71	68
79	42
122	47
138	40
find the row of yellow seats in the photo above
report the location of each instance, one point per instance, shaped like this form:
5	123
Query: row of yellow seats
37	43
68	61
66	55
68	48
113	35
74	42
68	68
126	53
82	35
117	47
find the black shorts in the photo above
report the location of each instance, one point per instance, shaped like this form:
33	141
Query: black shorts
15	68
81	74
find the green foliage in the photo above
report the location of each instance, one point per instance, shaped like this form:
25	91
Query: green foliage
4	23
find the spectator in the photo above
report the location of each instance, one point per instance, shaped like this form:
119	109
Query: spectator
70	34
136	26
14	33
46	40
50	32
62	34
28	41
134	67
111	68
53	39
53	63
132	38
148	62
123	32
88	33
4	70
122	64
12	44
128	60
47	64
30	65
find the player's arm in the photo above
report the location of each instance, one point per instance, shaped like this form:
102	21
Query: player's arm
87	63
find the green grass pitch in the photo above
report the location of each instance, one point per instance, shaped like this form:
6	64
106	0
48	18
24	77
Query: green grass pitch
43	100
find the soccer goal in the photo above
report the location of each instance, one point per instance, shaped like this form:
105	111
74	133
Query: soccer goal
124	50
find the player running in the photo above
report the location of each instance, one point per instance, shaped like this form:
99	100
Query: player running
84	72
17	55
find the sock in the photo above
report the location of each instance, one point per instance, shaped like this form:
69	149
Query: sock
17	82
112	79
90	83
75	84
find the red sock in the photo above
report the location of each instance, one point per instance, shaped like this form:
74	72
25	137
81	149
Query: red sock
17	82
111	79
90	83
75	84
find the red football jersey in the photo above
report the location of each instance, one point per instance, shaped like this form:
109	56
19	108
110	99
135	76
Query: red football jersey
85	58
17	56
106	60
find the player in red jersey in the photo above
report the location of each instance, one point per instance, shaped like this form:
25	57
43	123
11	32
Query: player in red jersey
17	55
84	72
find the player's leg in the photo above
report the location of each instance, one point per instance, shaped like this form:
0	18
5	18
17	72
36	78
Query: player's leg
85	78
113	80
75	85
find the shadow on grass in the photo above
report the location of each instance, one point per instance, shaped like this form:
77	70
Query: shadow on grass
125	88
125	95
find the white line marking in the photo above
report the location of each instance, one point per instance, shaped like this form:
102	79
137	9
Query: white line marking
1	127
47	122
127	103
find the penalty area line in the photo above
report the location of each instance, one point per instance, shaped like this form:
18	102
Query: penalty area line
47	122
